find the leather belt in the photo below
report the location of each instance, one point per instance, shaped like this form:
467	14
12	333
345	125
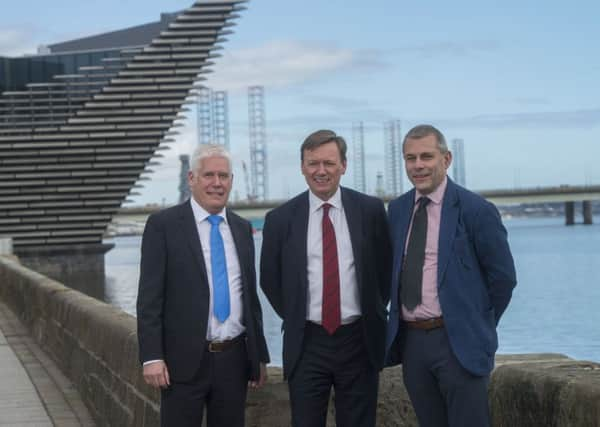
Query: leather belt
220	346
427	324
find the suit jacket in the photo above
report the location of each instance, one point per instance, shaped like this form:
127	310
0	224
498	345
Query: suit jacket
283	269
475	275
173	297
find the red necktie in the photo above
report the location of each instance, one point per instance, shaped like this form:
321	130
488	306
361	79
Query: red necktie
330	312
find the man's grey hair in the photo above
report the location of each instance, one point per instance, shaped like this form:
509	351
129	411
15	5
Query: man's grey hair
421	131
204	151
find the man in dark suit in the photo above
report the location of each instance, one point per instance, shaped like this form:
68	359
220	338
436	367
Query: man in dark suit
453	277
199	319
325	265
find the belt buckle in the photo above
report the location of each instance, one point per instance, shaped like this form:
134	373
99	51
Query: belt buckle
213	347
434	323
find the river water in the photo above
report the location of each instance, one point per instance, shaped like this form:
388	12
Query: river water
554	306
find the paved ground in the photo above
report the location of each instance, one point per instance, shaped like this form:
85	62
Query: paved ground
33	392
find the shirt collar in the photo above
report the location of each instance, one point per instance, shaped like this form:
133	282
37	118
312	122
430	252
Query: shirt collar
437	195
315	203
200	214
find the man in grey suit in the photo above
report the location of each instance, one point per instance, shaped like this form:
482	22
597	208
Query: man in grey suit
199	318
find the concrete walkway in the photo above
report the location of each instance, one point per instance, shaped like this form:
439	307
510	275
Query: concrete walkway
33	391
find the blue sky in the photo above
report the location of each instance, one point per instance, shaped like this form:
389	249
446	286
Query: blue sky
518	81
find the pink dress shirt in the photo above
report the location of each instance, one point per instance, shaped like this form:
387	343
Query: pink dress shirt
430	303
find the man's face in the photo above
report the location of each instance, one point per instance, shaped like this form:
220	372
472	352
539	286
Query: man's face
425	164
210	183
322	168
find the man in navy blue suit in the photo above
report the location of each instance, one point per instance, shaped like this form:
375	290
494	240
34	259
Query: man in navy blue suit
325	268
453	277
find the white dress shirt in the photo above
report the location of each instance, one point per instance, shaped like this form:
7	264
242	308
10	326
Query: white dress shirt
349	295
233	325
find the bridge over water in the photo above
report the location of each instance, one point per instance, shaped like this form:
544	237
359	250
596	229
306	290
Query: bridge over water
567	194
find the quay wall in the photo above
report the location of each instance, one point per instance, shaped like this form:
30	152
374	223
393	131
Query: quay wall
95	345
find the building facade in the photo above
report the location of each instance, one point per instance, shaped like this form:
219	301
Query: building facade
81	123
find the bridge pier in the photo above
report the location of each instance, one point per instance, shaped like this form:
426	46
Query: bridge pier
569	213
587	212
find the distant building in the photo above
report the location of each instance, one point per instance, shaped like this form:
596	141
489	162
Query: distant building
458	162
66	58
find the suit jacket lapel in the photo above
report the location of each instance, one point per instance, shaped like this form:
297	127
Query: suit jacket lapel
240	239
448	223
405	213
299	235
354	220
188	225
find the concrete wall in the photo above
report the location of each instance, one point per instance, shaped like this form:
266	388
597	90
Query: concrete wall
95	345
545	390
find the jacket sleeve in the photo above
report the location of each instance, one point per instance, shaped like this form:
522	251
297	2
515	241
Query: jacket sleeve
270	264
384	255
495	258
263	352
151	291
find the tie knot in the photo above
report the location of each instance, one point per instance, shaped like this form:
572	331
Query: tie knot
215	219
423	202
326	207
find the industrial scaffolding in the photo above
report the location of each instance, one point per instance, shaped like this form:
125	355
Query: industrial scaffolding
358	143
258	143
458	162
213	117
392	134
379	187
184	188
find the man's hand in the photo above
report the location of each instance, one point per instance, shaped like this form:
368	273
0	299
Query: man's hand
261	380
156	374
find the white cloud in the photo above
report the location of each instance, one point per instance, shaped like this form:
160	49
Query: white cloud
284	63
462	49
568	119
533	100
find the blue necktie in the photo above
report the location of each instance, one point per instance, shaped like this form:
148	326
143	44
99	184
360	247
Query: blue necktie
219	270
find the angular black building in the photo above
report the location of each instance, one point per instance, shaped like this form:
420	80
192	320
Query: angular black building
80	124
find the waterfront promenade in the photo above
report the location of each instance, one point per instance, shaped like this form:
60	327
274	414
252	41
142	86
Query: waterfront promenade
95	346
33	391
